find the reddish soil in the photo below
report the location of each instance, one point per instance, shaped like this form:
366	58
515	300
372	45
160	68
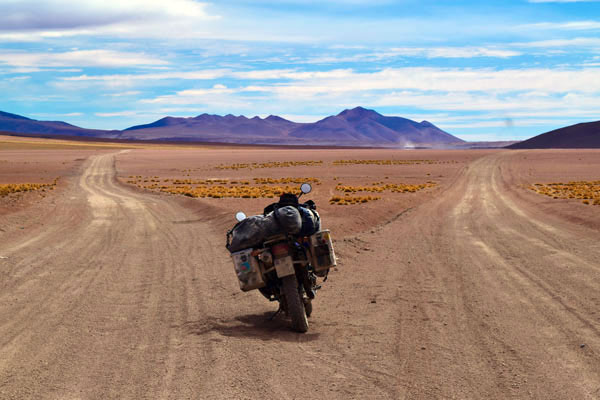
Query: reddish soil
477	288
202	163
26	165
549	166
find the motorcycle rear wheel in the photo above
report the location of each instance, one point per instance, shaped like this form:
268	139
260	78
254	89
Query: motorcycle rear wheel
294	303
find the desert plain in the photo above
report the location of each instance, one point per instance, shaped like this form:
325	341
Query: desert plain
115	283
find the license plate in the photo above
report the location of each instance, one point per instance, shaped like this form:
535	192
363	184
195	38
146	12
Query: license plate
284	266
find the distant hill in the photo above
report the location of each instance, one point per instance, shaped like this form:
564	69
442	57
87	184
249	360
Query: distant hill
355	127
579	136
366	126
19	124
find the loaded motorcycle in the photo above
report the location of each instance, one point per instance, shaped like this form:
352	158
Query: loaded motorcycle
281	253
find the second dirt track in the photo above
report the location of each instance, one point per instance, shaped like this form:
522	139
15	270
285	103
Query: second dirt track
477	293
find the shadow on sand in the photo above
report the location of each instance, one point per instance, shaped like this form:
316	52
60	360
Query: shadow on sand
254	326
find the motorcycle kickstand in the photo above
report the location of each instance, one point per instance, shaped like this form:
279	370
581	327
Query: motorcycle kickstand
276	313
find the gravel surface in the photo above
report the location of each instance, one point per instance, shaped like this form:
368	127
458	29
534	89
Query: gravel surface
111	292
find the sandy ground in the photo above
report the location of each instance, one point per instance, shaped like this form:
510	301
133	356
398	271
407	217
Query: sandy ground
27	165
202	163
475	289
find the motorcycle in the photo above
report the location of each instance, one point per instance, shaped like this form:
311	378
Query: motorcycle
280	259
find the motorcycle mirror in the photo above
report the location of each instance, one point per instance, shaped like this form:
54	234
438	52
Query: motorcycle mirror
306	188
240	216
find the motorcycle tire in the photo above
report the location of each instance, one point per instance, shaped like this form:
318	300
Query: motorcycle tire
295	305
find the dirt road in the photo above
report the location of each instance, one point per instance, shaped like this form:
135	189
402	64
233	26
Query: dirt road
476	294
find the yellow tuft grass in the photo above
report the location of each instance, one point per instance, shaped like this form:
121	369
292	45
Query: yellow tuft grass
349	200
376	187
9	188
299	181
220	191
270	164
222	188
587	191
390	162
379	187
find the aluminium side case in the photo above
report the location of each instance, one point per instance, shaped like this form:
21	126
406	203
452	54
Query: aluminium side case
248	270
321	251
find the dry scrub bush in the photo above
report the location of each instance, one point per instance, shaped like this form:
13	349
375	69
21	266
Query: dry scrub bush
221	188
200	181
299	181
376	187
587	191
379	187
6	189
390	162
218	192
348	200
177	181
271	164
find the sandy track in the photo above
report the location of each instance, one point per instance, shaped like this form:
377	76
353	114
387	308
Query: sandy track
505	298
475	294
92	307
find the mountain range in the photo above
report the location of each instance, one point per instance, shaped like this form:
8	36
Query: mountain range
353	127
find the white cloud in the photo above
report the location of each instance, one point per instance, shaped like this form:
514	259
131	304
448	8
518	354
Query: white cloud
503	123
17	78
219	97
570	26
60	14
271	74
573	106
423	52
122	81
131	79
563	1
36	36
569	43
452	52
320	2
117	114
125	94
440	80
301	117
192	96
78	58
56	116
532	97
176	21
437	85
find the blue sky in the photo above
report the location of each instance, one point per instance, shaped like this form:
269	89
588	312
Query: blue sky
495	70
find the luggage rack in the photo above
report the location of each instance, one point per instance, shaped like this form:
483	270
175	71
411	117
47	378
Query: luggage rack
274	239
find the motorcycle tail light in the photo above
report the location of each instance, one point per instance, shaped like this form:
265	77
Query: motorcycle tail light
280	250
